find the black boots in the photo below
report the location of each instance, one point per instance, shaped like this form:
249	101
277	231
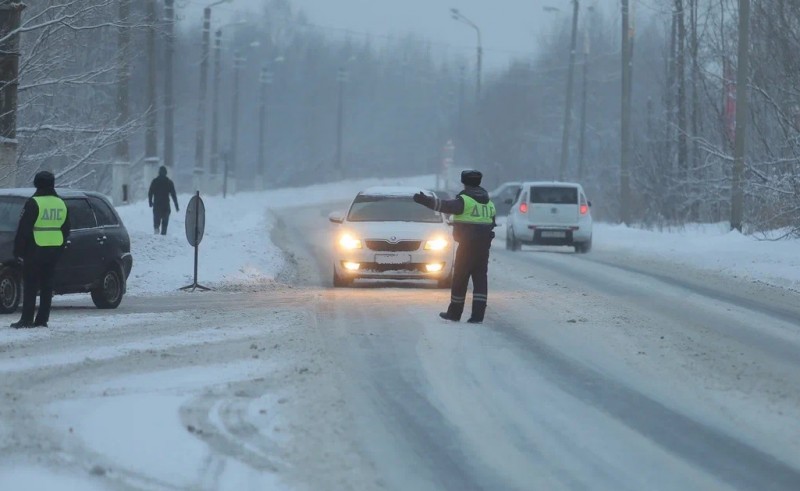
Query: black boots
453	313
22	324
478	311
456	309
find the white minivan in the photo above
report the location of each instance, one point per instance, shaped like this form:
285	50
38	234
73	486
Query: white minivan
550	213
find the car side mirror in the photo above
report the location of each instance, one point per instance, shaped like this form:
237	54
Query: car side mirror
336	217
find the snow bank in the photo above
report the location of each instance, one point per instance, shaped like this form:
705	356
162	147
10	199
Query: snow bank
236	248
709	247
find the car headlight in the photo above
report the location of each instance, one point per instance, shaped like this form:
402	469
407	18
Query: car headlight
437	244
347	241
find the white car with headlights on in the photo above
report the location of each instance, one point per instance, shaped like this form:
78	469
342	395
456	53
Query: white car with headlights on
386	235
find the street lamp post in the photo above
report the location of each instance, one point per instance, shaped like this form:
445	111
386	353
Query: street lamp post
230	162
266	79
200	137
215	182
341	78
458	16
562	169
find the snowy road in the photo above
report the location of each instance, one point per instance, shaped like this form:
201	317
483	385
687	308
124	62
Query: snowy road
591	372
601	372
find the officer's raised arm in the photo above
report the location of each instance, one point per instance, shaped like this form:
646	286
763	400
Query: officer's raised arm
446	206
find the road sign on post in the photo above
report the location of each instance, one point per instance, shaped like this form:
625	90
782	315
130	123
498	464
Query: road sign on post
195	229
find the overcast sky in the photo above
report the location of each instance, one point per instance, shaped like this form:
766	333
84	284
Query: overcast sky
510	27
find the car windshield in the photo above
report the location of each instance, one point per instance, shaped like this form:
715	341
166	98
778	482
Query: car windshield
554	195
390	209
10	210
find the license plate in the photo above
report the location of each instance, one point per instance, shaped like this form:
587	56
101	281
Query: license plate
553	234
392	258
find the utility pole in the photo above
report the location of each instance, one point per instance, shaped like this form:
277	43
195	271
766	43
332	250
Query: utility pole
341	78
231	182
625	126
215	178
562	169
10	18
200	138
120	168
151	160
742	69
582	141
265	81
169	97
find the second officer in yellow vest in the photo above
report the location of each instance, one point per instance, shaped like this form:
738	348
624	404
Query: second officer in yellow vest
473	228
41	235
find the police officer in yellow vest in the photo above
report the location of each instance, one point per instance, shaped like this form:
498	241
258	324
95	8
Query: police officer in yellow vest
41	234
473	228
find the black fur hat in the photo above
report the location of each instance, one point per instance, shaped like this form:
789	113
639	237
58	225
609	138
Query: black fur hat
471	177
44	180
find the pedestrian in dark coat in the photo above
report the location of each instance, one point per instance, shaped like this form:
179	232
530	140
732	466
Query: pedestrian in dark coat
473	229
161	189
41	237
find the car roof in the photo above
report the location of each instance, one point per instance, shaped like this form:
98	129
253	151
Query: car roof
552	183
390	191
62	192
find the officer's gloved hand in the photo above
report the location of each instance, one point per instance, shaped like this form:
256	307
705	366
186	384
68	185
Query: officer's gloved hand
420	198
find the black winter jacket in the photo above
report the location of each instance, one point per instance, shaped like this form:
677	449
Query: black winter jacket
161	189
24	245
481	235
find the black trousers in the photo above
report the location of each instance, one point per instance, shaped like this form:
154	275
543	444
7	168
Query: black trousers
38	276
472	261
160	220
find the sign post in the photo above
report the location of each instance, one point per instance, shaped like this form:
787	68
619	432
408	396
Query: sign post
195	228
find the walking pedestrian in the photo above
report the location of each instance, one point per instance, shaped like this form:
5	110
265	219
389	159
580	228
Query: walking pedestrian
161	189
41	236
473	229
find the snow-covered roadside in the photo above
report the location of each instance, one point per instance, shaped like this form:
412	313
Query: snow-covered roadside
705	247
236	247
709	247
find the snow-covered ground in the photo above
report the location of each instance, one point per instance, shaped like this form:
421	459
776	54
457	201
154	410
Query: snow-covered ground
708	247
711	247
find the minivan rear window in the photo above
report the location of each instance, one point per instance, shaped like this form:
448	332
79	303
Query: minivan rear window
554	195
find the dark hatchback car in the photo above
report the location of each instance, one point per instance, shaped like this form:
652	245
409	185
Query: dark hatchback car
97	256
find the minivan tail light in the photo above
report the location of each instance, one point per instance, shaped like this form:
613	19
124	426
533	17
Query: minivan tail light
584	209
523	208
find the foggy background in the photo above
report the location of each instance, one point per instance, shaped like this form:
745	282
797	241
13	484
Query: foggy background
409	87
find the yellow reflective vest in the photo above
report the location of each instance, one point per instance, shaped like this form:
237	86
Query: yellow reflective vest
476	213
52	215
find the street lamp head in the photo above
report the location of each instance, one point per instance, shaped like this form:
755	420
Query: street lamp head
455	12
551	9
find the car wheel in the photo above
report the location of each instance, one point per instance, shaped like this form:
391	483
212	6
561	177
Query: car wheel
10	291
512	244
584	247
109	294
340	282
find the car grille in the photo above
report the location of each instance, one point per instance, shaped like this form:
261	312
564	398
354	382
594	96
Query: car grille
402	246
